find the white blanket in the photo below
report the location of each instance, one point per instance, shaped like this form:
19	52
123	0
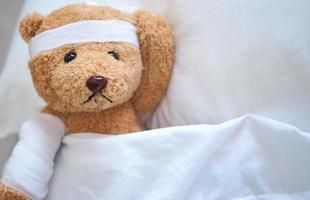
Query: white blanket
248	158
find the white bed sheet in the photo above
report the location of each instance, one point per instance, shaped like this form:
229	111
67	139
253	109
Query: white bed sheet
246	158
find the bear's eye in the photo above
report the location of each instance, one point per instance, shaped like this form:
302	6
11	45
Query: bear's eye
69	56
113	54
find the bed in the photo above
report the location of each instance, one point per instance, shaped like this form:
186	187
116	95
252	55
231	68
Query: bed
238	130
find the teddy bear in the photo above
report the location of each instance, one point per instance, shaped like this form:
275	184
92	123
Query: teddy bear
98	68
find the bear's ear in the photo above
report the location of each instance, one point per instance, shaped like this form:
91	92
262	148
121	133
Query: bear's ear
29	25
157	51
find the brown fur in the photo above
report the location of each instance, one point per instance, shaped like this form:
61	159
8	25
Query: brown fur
7	193
136	82
125	122
157	50
31	24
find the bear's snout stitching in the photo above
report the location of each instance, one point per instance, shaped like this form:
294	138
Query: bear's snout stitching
93	95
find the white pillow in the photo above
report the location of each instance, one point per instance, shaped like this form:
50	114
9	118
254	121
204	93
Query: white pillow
237	57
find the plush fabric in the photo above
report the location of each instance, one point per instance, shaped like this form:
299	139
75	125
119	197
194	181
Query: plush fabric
135	81
7	193
90	86
23	96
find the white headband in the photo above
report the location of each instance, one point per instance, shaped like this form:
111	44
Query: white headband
84	31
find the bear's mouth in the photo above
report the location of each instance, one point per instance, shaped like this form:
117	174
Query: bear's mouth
94	94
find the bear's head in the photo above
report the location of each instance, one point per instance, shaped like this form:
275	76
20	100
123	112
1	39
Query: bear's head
91	76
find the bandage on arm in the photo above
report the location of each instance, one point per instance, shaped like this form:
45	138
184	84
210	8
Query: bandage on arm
31	164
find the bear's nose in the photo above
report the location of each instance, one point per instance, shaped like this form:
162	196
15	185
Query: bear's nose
96	83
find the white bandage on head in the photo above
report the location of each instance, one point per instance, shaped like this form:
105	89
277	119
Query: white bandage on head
84	31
